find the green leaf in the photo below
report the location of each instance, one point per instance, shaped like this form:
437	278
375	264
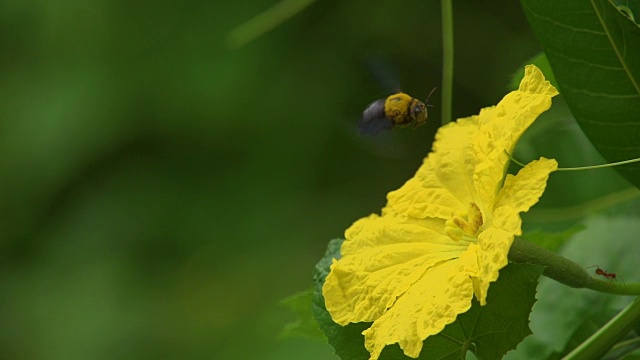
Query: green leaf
552	241
305	324
487	331
594	50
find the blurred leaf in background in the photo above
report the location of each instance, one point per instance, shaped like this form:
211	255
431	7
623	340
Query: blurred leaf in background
305	324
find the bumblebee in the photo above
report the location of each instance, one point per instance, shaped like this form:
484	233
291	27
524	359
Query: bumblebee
397	110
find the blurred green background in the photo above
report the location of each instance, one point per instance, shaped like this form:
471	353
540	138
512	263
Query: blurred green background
162	192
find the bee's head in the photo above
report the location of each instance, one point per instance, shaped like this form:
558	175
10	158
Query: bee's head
418	112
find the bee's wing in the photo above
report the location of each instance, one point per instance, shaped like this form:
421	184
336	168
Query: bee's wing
374	126
373	120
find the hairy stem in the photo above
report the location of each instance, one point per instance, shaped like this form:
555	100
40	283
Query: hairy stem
566	271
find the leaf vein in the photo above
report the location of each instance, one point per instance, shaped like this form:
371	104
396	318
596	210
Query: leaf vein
620	148
605	95
607	123
581	61
559	24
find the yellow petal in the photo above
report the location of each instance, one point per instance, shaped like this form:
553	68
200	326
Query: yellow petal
443	292
502	126
494	246
375	231
441	185
535	83
518	194
523	190
363	284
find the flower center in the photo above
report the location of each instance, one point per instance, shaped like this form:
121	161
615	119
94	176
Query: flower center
465	226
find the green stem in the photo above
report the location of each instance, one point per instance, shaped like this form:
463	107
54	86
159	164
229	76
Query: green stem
566	271
600	342
447	59
581	168
601	166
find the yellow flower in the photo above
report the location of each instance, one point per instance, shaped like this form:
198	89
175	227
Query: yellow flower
445	234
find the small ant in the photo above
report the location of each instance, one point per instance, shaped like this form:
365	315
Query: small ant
602	272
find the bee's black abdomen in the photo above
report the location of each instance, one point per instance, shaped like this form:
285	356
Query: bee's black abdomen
374	120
